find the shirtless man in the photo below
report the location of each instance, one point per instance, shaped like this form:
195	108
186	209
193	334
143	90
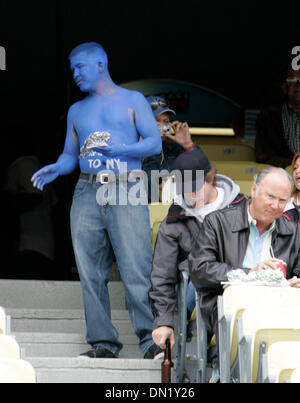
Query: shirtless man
100	229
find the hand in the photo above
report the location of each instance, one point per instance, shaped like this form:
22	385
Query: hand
267	264
294	282
181	134
45	175
113	150
161	334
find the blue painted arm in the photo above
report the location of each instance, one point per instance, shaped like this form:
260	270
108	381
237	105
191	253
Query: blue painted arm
148	129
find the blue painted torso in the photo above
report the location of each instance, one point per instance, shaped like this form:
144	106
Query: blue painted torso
113	113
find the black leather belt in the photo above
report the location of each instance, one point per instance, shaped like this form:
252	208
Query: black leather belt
105	177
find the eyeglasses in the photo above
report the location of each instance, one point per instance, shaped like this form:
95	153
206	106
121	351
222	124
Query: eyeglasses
293	80
156	104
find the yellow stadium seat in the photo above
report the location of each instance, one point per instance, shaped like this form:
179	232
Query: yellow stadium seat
9	348
232	303
281	361
157	212
155	230
245	186
239	170
289	169
295	376
223	140
234	152
258	328
14	370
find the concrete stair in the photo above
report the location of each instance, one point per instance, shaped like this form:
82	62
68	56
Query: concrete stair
47	319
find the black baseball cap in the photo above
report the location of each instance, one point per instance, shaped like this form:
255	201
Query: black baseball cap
193	166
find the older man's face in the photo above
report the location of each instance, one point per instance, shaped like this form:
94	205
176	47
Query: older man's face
270	198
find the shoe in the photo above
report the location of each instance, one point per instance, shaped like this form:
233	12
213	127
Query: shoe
98	352
154	353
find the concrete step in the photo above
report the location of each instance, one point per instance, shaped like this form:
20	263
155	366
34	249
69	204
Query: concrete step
69	345
86	370
39	294
61	320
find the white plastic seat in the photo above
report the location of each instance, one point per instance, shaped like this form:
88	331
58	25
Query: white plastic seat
258	328
2	321
295	376
281	361
9	348
14	370
232	303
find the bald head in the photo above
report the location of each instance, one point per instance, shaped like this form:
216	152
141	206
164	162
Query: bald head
279	174
91	50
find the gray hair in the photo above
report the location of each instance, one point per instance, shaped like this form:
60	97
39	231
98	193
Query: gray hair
258	178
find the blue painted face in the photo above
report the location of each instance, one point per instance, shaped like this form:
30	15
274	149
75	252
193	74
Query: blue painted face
86	71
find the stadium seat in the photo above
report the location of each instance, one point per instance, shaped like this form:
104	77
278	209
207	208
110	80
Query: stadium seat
9	348
231	304
281	361
158	212
258	328
239	170
14	370
245	186
289	169
223	140
295	376
234	152
2	321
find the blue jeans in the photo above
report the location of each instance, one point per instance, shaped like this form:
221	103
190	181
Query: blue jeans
99	233
190	297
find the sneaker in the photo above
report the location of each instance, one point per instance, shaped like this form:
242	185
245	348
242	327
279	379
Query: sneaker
154	353
98	352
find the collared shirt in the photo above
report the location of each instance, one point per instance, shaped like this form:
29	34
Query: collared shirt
258	245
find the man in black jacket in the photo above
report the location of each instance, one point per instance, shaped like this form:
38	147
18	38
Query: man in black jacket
178	232
242	237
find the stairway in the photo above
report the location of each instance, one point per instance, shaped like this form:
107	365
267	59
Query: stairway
47	319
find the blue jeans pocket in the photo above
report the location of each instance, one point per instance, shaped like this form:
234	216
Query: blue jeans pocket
80	187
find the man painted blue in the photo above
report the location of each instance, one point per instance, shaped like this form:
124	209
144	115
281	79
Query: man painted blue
118	118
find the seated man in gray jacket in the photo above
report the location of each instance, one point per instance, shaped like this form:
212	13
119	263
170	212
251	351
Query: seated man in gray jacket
252	235
178	233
